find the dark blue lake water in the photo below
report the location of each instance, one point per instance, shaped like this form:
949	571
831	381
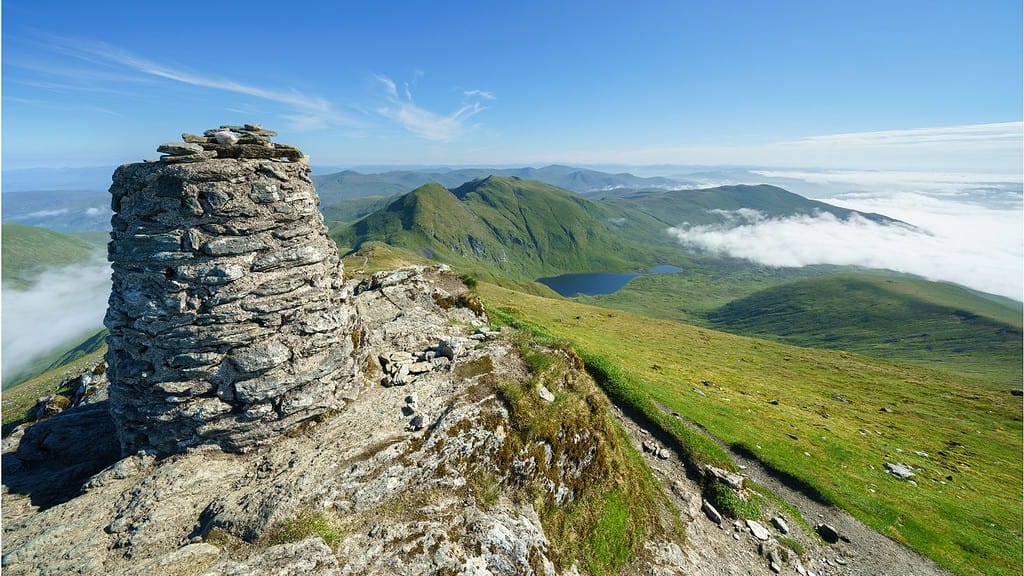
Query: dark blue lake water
597	283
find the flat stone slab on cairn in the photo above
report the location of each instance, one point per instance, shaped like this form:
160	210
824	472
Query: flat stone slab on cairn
228	319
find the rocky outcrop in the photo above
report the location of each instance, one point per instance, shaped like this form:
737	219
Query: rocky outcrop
228	321
440	499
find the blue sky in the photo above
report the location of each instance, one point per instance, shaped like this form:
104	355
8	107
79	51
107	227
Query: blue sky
929	85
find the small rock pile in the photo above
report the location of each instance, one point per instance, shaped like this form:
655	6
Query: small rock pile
401	367
247	141
229	320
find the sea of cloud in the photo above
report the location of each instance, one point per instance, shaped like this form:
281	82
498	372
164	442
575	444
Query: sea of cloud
61	306
962	229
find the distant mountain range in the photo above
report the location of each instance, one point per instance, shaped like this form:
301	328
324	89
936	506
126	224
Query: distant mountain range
349	184
722	204
528	228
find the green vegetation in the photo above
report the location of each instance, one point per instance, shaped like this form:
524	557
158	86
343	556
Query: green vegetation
876	313
827	430
616	503
520	228
18	400
60	357
704	284
937	325
26	251
696	449
303	526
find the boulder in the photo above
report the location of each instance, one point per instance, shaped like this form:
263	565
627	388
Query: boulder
713	514
828	533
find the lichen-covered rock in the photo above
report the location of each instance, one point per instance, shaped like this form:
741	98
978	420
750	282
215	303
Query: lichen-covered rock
227	324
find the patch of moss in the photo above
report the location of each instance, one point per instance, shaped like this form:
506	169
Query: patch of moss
728	501
792	544
473	368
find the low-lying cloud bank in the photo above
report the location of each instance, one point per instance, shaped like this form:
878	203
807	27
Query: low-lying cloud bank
951	240
62	305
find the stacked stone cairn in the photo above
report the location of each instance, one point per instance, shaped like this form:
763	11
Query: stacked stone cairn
229	321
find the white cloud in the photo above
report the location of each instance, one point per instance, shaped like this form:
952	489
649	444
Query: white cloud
46	213
479	94
420	121
61	306
389	85
106	55
955	241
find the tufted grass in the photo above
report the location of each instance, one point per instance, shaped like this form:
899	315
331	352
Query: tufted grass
827	432
303	526
616	504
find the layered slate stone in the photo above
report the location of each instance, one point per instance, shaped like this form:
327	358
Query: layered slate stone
229	322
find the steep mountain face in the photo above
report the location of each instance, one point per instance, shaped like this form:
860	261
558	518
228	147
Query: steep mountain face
719	204
516	226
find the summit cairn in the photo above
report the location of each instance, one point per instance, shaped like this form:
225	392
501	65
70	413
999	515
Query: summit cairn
246	141
229	322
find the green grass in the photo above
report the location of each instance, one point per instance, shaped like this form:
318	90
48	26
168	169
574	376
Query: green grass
696	449
303	526
881	314
58	358
616	503
831	403
18	400
27	250
936	325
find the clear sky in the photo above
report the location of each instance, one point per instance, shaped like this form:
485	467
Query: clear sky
906	84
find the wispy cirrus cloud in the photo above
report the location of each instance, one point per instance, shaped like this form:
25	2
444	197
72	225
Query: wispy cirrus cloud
305	111
996	132
486	95
425	123
992	147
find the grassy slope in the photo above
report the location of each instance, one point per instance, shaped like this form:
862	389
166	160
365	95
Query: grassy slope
880	314
904	319
28	250
17	400
831	402
518	227
346	211
704	284
58	357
